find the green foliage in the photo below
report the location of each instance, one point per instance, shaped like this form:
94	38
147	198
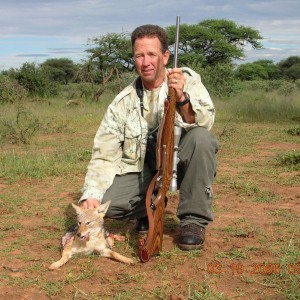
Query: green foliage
10	90
271	68
60	70
294	130
282	87
20	130
214	41
220	80
261	69
287	88
290	67
251	71
261	101
111	50
290	159
289	62
109	58
208	47
35	80
293	72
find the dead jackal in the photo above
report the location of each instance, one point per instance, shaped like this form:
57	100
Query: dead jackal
90	237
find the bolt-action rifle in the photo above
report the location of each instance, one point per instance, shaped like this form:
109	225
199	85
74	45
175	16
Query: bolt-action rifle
166	163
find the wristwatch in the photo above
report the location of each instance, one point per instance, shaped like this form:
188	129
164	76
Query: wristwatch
185	101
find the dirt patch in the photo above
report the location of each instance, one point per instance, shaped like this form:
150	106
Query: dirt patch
241	258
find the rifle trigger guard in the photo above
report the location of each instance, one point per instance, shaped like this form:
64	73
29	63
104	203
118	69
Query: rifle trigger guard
153	207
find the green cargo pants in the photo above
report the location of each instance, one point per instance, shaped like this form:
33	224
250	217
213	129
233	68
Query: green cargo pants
196	172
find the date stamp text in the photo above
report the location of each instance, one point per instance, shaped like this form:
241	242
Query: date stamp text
240	268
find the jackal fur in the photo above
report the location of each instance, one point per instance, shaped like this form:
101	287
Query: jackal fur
90	237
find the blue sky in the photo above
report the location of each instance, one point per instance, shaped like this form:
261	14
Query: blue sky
36	30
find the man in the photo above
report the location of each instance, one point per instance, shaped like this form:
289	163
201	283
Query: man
118	171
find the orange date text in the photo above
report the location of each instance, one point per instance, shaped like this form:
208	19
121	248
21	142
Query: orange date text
240	268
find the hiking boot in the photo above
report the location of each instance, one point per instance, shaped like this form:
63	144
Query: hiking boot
192	237
142	225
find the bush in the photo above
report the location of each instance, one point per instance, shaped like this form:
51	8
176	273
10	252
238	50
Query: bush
294	130
290	159
251	71
283	87
219	80
20	130
35	80
10	90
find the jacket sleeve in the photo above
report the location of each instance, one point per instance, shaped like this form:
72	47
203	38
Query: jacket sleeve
106	153
200	100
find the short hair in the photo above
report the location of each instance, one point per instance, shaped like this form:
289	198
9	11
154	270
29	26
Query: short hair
151	31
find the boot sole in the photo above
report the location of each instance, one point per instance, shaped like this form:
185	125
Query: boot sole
190	247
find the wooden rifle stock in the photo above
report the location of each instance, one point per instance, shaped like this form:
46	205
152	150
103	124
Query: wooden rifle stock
156	197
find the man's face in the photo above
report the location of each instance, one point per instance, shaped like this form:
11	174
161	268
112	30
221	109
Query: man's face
150	62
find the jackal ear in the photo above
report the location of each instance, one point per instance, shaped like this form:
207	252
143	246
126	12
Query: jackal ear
77	208
103	207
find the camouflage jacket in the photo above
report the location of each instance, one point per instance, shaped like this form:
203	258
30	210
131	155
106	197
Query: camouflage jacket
120	142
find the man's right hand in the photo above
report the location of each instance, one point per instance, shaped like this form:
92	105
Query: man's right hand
89	203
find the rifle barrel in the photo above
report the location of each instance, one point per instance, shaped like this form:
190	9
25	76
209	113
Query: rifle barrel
176	41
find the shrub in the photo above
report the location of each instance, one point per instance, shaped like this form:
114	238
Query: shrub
10	90
20	130
294	130
290	159
35	80
219	80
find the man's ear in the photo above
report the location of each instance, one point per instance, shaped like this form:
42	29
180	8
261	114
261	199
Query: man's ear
77	208
166	57
103	207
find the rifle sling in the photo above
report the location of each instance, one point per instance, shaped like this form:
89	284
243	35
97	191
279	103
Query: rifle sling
140	93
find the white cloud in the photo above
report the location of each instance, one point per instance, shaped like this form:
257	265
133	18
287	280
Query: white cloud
37	26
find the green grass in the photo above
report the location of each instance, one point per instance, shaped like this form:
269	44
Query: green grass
254	192
237	232
15	165
290	159
40	179
260	106
232	254
52	151
295	130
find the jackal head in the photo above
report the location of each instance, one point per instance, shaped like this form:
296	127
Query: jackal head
90	221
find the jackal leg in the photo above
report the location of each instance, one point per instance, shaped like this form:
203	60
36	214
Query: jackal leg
116	256
66	255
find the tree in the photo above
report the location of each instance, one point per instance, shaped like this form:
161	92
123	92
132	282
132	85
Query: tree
220	80
214	41
208	43
61	70
10	90
293	72
290	67
251	71
35	80
289	62
110	56
271	68
113	49
260	69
